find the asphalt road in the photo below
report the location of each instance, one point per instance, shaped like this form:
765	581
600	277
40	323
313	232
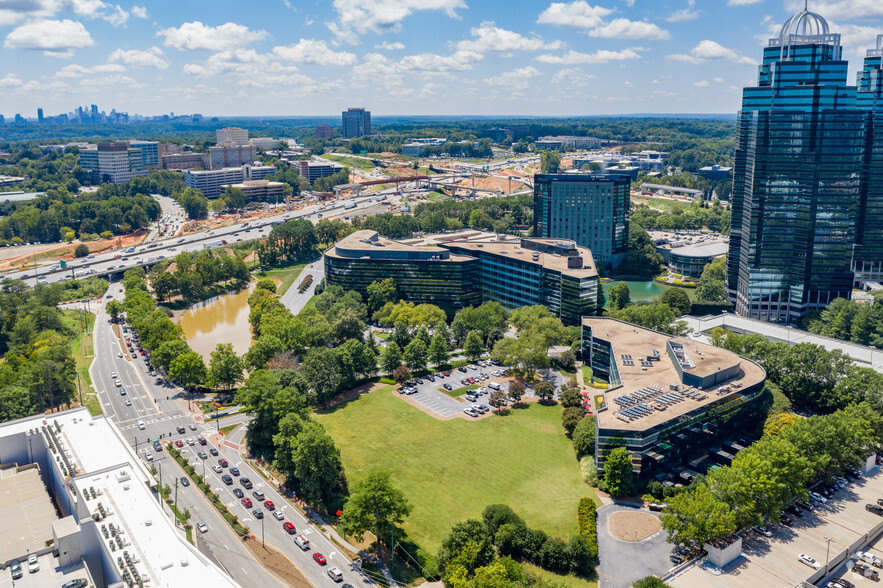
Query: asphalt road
622	562
169	247
155	407
293	299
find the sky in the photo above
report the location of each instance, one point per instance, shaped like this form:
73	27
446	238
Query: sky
399	57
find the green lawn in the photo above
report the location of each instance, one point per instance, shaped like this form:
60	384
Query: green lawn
287	274
83	352
451	470
457	392
569	581
351	162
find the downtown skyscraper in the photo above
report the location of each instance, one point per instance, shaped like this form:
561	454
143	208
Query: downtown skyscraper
807	204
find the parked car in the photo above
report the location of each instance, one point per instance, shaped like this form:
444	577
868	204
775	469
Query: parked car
448	387
818	497
15	570
763	531
786	520
809	561
657	506
33	564
874	508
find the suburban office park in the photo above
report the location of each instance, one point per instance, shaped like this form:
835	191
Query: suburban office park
450	470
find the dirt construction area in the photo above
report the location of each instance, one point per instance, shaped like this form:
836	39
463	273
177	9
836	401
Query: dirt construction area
773	562
632	526
279	564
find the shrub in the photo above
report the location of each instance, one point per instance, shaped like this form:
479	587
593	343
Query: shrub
81	250
588	471
586	514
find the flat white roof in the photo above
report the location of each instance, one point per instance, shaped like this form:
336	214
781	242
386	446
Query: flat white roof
105	461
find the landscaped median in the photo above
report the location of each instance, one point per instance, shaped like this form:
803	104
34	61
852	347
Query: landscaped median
206	489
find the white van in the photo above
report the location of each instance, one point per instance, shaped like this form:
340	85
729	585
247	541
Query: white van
141	425
302	542
335	574
493	386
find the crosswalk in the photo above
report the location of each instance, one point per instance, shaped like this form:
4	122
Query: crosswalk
200	427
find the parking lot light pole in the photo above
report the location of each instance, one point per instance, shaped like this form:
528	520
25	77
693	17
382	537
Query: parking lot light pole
827	551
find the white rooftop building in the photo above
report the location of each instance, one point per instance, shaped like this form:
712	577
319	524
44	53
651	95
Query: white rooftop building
109	518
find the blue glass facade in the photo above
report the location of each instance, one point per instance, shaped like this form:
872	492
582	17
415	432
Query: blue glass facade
806	188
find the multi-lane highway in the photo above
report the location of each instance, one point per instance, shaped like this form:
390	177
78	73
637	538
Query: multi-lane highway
150	411
149	253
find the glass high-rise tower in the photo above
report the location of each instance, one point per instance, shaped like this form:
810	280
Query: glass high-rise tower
809	154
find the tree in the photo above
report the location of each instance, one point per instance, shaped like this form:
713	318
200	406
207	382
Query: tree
677	299
619	296
401	374
438	348
374	504
415	355
82	250
317	466
570	417
165	284
584	437
225	367
544	390
188	369
516	390
695	517
570	396
497	399
462	533
618	476
473	346
550	161
650	582
390	358
711	286
168	351
380	293
266	284
115	310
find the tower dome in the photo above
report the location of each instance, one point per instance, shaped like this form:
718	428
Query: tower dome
804	24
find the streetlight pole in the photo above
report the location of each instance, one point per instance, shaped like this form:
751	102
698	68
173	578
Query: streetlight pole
176	500
827	551
262	532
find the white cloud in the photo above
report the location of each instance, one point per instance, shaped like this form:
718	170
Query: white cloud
11	81
195	35
112	13
574	15
313	51
514	80
701	84
492	38
842	9
581	15
688	13
571	75
742	2
708	50
139	12
140	58
222	62
718	80
382	15
457	61
56	38
13	12
629	84
75	70
390	46
601	56
623	28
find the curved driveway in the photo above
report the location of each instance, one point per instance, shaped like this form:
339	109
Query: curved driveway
623	562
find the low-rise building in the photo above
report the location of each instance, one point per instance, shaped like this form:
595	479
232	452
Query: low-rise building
223	156
668	398
715	173
265	143
182	161
261	190
212	182
430	275
315	169
691	260
467	272
75	492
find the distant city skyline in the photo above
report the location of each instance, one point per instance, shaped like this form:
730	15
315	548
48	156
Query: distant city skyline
317	58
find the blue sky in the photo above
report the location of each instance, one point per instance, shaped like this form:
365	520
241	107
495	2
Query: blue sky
414	57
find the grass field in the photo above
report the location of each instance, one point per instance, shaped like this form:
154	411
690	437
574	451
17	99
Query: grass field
83	354
457	392
287	274
569	581
451	470
351	162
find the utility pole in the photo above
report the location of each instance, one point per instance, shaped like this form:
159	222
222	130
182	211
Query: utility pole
160	485
176	500
262	532
827	551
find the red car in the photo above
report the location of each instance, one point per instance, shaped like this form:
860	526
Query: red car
289	527
222	462
179	443
246	502
269	504
787	521
320	559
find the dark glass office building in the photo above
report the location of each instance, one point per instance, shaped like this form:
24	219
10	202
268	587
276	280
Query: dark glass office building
805	210
590	209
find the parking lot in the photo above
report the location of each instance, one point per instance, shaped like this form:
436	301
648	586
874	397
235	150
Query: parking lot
773	561
430	396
